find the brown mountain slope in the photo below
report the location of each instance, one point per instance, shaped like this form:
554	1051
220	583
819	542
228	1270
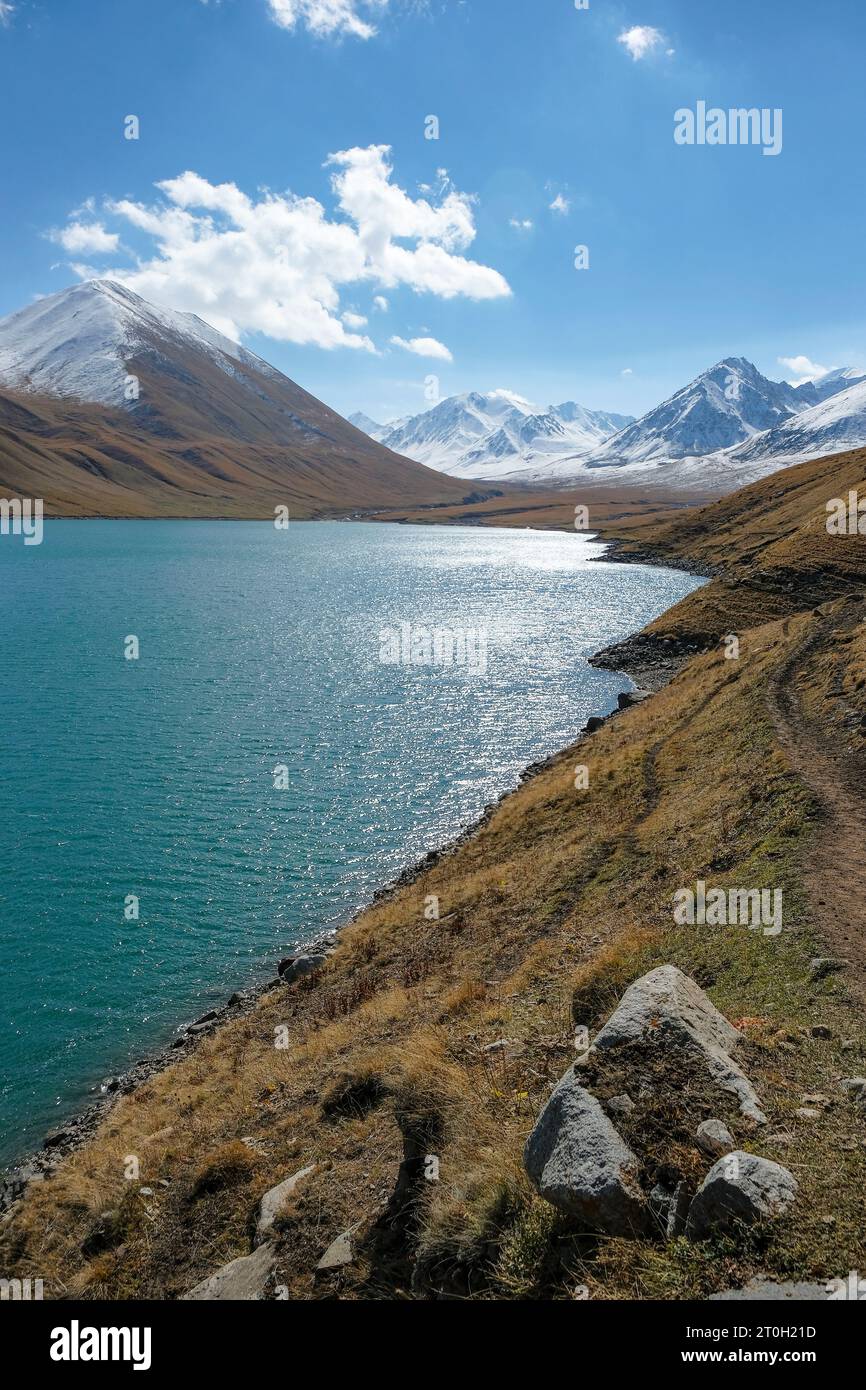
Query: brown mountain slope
113	406
93	460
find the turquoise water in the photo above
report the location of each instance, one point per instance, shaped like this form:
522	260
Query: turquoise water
155	777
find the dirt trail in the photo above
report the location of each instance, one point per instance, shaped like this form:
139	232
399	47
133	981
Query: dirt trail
835	866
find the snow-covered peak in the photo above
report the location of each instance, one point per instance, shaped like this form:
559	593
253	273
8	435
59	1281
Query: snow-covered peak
78	342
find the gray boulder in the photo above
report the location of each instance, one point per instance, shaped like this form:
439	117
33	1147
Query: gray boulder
243	1280
273	1202
579	1163
740	1189
294	967
666	1007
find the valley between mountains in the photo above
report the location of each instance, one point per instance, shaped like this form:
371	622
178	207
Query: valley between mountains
304	1169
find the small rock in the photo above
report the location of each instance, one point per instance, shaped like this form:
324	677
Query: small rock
338	1255
295	967
817	1099
145	1192
806	1112
620	1105
714	1138
740	1188
855	1086
273	1201
770	1291
243	1280
822	966
593	724
58	1137
821	1030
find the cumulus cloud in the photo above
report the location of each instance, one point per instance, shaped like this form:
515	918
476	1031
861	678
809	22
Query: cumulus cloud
354	320
380	303
6	11
802	369
86	238
521	224
560	204
275	263
424	347
641	40
328	17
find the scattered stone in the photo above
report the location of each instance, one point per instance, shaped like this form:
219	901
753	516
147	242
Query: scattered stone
821	1031
145	1192
822	966
855	1086
205	1018
670	1208
806	1112
243	1280
714	1138
593	723
620	1105
338	1255
274	1200
500	1045
849	1045
740	1188
580	1164
817	1099
769	1290
668	1008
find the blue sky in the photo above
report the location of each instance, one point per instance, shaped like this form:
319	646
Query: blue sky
360	276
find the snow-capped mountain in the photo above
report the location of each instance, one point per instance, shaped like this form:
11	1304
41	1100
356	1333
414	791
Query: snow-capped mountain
718	410
496	435
79	342
833	425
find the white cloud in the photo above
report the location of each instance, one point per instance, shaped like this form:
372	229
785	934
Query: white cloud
78	237
326	17
641	40
354	320
6	11
560	204
424	347
626	371
803	369
503	394
275	263
380	303
521	224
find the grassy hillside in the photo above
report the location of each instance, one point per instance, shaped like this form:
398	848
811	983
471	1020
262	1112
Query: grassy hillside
444	1037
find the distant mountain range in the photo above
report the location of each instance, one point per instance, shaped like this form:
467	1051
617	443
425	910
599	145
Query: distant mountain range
728	426
495	435
114	406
